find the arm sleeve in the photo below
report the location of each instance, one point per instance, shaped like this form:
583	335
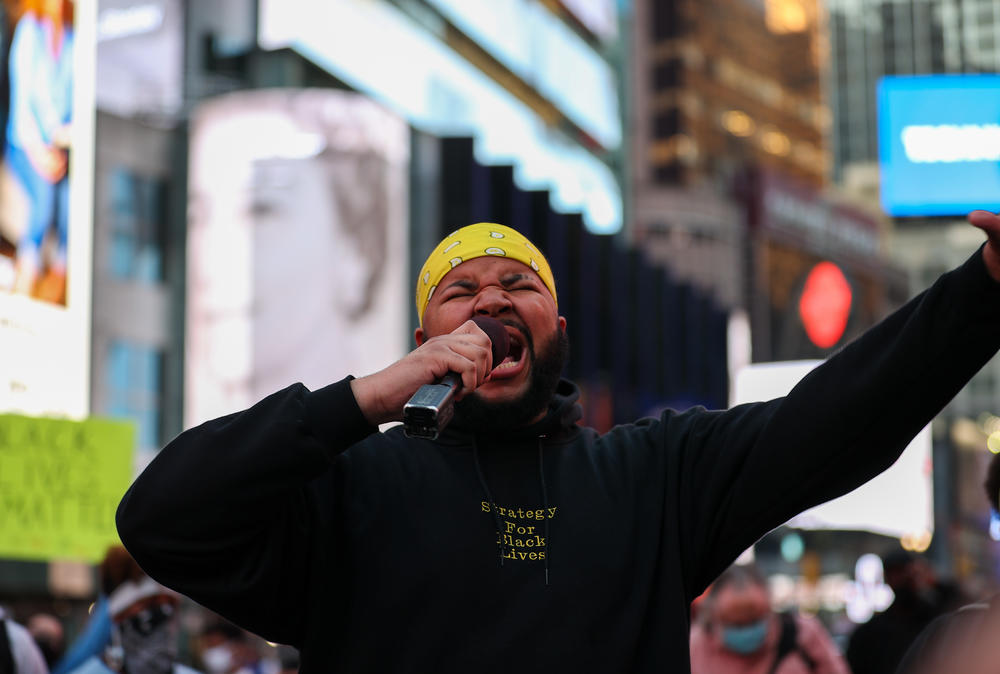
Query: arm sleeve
224	513
744	471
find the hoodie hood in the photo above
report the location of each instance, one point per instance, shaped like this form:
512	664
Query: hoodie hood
560	420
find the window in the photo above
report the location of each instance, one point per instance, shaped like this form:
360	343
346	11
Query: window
134	378
667	75
138	224
665	20
667	124
667	175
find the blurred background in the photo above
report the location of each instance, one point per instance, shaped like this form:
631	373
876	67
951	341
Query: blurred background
201	202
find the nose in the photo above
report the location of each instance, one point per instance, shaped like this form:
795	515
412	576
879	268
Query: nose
492	301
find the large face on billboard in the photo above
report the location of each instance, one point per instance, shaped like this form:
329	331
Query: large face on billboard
296	244
46	150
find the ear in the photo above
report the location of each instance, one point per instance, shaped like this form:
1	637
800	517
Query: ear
562	323
418	336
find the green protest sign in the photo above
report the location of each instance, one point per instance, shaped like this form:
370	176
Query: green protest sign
60	483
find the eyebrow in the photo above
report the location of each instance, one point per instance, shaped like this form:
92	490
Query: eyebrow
463	283
511	279
506	281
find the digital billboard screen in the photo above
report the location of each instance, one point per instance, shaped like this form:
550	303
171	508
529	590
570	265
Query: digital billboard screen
939	144
46	192
140	56
297	238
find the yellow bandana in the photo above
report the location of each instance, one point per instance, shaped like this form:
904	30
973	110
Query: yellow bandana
478	240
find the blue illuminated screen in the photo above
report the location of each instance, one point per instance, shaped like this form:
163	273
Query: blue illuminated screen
939	144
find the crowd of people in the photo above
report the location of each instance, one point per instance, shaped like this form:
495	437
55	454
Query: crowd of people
930	627
134	627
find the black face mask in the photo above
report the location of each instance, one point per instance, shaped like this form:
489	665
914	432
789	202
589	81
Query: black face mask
546	368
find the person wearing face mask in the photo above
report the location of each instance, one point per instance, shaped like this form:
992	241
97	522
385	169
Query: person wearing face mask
738	633
227	649
142	638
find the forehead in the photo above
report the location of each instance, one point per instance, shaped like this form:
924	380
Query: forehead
738	604
487	269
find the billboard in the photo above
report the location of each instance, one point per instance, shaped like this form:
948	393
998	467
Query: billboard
939	144
140	55
297	245
899	502
46	190
441	92
60	484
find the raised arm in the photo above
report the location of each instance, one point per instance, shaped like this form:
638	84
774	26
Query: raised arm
749	469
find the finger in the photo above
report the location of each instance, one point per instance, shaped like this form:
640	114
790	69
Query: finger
986	221
462	354
480	337
475	363
466	370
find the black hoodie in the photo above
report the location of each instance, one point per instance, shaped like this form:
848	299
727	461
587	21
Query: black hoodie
549	549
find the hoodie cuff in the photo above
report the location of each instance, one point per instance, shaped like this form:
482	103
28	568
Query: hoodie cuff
333	415
974	270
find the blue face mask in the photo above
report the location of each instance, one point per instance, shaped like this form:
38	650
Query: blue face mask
745	639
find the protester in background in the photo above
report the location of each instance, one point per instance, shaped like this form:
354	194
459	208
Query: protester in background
143	635
877	646
19	654
48	633
227	649
518	540
966	640
739	633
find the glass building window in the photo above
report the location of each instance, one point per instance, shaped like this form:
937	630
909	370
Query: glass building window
667	75
667	124
665	20
138	224
134	379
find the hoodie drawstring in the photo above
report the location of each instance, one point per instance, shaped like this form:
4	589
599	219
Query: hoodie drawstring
489	496
545	508
494	509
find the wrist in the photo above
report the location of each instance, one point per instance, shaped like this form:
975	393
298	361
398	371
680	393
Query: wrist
370	401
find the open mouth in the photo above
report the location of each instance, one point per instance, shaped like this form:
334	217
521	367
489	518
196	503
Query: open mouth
513	362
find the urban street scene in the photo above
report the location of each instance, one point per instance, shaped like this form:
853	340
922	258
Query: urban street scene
500	335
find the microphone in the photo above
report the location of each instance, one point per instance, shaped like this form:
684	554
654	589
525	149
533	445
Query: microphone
433	405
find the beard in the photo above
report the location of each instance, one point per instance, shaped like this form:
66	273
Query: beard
546	369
